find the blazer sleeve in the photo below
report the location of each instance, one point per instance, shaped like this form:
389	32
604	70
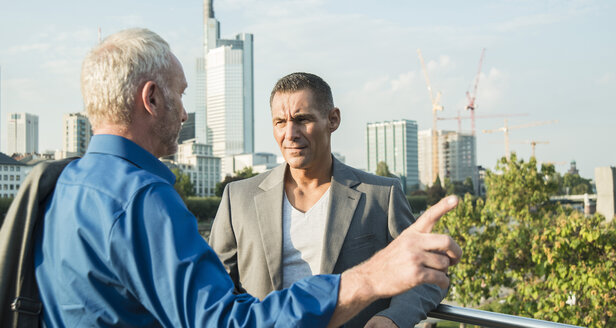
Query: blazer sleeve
222	239
407	309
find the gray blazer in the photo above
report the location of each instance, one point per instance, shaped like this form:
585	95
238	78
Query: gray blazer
366	213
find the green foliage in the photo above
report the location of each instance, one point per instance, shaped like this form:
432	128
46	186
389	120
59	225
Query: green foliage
574	184
383	170
536	255
183	185
459	188
239	175
418	203
203	208
435	192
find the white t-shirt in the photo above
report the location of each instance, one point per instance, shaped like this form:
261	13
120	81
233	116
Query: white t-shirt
302	239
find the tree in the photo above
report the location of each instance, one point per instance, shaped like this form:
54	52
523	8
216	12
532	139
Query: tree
556	264
239	175
383	170
183	185
435	192
574	184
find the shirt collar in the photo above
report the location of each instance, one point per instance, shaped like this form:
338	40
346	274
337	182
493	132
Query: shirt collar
127	149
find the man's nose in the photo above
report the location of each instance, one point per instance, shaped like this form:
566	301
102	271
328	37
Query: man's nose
292	131
184	114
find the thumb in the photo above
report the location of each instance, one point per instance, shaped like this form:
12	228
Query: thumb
425	222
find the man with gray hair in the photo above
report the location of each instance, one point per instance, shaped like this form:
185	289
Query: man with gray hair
118	247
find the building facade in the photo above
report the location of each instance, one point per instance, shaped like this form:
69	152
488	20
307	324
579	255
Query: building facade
457	156
200	101
76	135
196	160
187	131
228	92
12	174
22	133
394	143
259	162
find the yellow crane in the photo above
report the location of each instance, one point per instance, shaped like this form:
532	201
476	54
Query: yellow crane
534	143
436	106
459	118
505	129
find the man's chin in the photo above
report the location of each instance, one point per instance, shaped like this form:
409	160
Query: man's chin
296	162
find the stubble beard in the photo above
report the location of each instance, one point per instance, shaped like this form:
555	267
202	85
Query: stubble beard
168	129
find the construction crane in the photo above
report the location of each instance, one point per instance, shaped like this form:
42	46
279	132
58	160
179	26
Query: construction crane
505	129
534	143
435	108
459	118
471	97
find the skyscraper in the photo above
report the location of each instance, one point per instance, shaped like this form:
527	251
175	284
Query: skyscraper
200	102
77	132
394	143
188	129
228	91
457	156
22	133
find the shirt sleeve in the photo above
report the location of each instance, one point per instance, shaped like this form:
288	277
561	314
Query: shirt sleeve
408	308
163	262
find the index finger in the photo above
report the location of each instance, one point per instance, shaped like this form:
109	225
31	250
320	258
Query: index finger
433	214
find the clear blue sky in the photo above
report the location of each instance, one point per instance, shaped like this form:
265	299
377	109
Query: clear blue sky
555	60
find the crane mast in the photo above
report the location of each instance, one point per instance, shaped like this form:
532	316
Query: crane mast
435	107
472	97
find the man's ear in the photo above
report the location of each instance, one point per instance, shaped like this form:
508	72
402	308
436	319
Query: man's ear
334	119
150	97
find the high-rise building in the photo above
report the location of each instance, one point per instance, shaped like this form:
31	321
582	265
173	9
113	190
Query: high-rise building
188	129
203	169
228	91
200	102
457	156
22	133
77	132
394	143
12	174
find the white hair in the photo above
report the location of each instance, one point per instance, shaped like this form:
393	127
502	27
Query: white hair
113	71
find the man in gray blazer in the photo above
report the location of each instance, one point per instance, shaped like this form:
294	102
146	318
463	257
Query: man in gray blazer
313	214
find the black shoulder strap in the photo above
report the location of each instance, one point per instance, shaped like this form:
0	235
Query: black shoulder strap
19	296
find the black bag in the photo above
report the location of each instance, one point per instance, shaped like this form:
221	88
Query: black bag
20	304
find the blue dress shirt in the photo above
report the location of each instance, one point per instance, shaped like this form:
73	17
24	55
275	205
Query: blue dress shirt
118	247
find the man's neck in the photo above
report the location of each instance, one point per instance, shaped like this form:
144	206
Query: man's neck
133	134
304	187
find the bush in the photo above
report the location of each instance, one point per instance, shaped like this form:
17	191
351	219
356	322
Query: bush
542	260
203	208
418	203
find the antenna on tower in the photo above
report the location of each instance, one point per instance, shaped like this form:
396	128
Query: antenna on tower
99	34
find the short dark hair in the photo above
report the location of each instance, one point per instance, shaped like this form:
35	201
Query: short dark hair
306	81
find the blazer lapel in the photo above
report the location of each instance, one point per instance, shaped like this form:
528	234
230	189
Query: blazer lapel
342	204
268	205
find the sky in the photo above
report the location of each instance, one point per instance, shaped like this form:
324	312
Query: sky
549	60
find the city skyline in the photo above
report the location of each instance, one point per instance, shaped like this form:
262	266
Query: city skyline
229	89
552	60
